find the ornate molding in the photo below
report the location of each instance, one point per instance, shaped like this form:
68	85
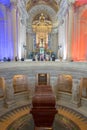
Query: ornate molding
22	9
52	3
63	9
65	5
37	10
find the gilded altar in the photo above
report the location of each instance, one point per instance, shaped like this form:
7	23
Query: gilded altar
42	26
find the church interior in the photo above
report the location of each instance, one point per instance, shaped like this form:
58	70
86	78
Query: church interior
43	64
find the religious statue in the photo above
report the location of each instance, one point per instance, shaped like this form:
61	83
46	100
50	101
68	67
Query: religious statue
42	18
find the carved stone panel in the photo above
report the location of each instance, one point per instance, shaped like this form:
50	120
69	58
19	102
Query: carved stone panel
2	87
83	87
20	83
65	83
76	93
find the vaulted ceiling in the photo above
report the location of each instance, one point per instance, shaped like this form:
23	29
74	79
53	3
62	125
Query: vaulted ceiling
52	3
49	7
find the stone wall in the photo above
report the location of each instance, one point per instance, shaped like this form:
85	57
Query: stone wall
20	83
2	87
83	87
64	83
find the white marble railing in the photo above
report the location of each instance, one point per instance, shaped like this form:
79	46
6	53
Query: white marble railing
73	68
81	65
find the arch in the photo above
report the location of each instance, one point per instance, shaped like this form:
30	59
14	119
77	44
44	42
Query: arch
52	3
37	9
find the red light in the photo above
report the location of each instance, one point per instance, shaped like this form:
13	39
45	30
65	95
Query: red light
80	2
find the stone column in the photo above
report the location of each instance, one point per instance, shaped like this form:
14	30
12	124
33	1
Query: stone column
76	93
54	41
19	43
9	97
75	55
70	29
29	43
14	28
49	41
34	41
63	47
66	36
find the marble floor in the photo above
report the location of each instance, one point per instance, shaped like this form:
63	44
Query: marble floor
65	119
57	125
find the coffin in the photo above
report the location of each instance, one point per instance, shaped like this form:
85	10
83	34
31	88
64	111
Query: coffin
43	106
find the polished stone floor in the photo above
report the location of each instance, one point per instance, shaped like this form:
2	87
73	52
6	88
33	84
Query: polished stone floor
27	123
21	119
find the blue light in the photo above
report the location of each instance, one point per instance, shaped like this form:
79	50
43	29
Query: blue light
6	38
5	2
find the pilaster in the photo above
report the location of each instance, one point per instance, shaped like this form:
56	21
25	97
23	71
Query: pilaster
70	30
15	28
9	98
76	93
22	17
